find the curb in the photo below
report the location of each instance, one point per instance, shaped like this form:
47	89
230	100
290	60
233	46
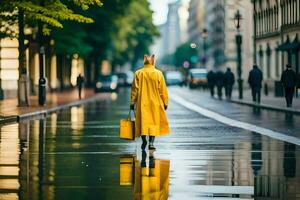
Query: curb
267	107
45	112
8	119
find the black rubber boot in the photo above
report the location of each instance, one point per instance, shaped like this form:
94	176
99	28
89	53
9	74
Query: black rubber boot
144	156
151	143
151	160
144	144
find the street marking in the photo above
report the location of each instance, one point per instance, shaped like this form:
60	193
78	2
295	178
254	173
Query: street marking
235	123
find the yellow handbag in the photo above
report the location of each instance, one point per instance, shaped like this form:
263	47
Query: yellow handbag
127	170
127	129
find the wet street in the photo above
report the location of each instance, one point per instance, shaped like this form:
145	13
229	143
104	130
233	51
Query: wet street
216	150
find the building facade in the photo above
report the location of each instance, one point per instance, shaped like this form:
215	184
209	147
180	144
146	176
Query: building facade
9	72
61	71
158	47
219	21
277	24
196	21
172	28
174	31
215	23
196	25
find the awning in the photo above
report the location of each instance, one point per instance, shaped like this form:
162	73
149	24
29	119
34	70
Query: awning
290	46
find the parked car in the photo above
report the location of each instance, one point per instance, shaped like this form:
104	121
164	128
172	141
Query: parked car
197	78
125	79
174	78
107	83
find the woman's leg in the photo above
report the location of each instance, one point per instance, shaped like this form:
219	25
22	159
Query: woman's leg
144	144
143	161
151	142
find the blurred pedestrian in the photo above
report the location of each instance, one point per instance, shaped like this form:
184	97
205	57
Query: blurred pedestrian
219	77
149	95
211	82
255	81
228	82
289	82
79	83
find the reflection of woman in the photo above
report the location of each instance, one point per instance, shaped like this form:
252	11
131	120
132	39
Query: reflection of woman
149	95
151	182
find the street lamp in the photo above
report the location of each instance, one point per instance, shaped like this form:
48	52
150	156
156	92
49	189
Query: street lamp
193	45
42	79
204	36
238	39
237	20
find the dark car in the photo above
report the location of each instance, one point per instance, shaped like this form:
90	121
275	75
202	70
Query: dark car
174	78
125	79
107	83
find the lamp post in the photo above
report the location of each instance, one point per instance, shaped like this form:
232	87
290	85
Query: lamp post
238	40
204	36
42	63
42	79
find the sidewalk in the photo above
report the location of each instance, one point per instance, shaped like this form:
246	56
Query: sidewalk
10	112
267	102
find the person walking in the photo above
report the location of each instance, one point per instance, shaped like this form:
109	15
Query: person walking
219	83
255	81
228	82
149	97
79	83
211	82
289	82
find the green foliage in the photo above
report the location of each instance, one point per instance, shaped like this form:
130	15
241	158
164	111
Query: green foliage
121	30
71	40
167	59
8	20
100	33
50	12
135	35
185	53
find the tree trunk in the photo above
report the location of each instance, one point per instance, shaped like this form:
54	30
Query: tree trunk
60	66
23	78
22	56
97	63
88	66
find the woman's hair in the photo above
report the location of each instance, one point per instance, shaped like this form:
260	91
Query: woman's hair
149	59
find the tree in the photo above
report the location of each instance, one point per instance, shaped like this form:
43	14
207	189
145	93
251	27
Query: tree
48	14
100	33
71	40
167	59
136	34
185	53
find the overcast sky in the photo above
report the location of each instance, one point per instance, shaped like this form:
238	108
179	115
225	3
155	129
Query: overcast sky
160	8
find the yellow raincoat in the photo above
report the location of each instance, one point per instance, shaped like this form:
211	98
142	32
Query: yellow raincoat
149	94
152	183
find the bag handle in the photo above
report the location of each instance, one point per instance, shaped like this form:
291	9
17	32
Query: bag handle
129	114
128	117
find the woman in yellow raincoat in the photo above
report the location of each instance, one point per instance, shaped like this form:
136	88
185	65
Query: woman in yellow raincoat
150	96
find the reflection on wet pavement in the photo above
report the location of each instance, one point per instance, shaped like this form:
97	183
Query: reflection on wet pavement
77	154
148	176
